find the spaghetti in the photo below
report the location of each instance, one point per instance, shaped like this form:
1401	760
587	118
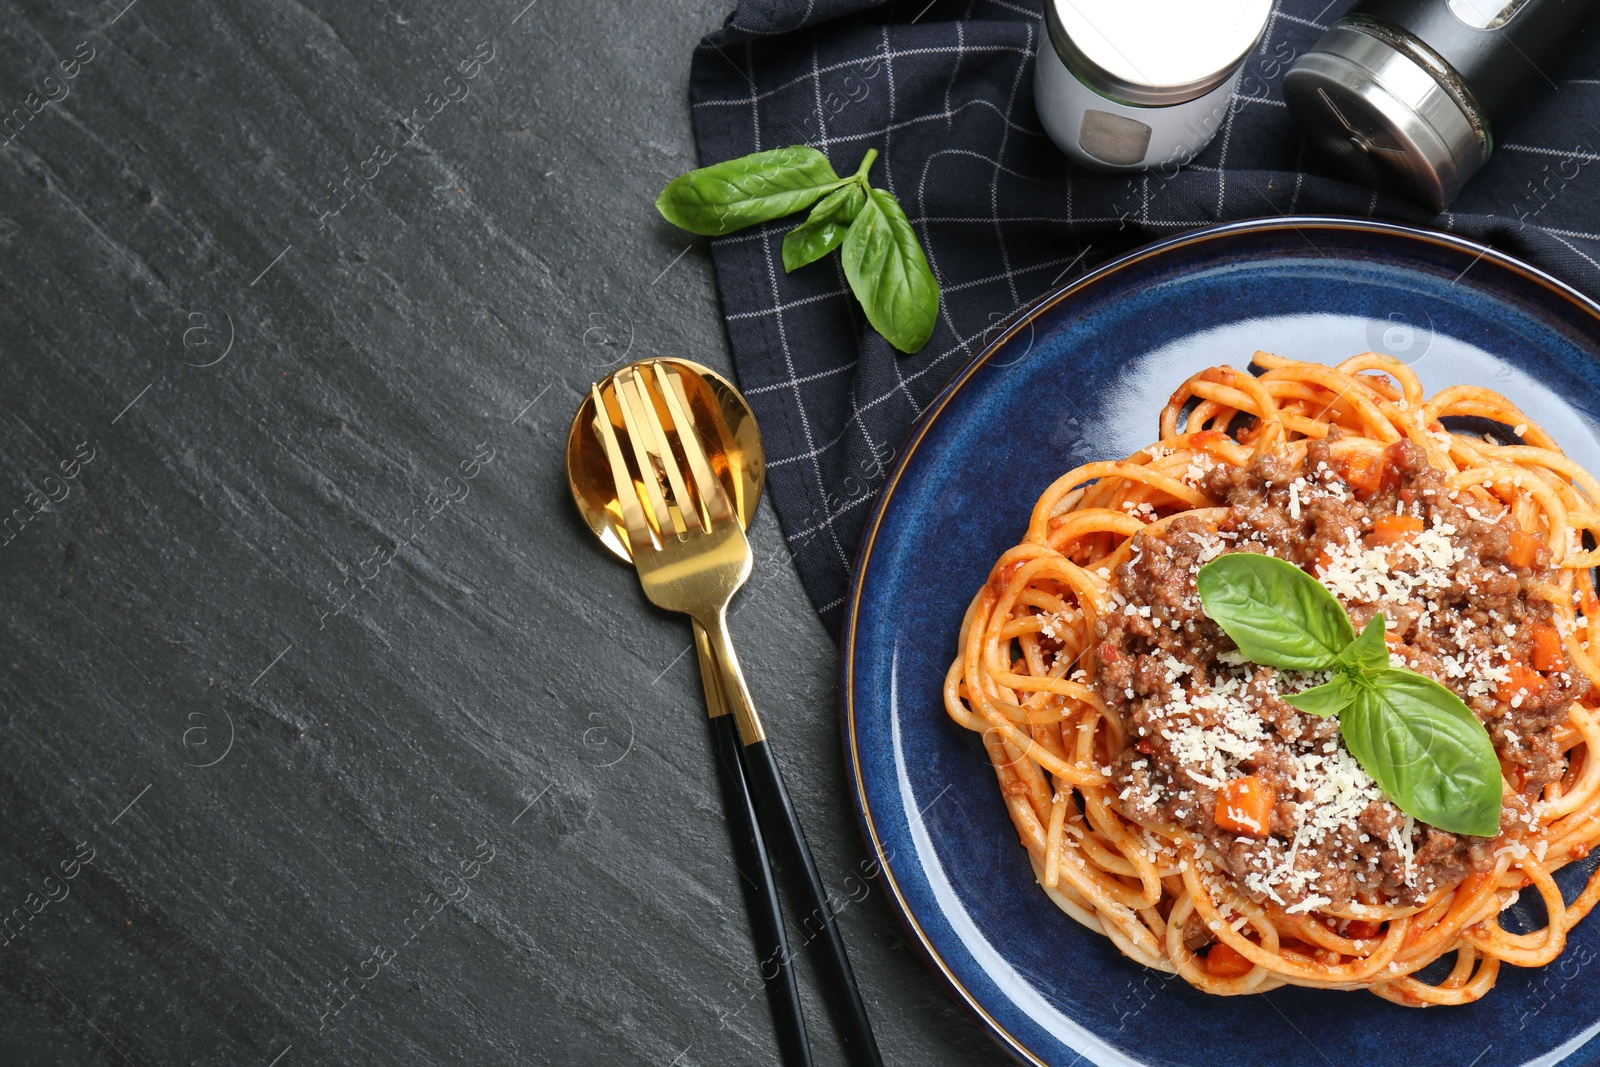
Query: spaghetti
1168	798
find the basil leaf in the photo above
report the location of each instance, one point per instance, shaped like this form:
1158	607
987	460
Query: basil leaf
1275	612
824	228
1426	750
1330	698
889	274
1369	652
741	192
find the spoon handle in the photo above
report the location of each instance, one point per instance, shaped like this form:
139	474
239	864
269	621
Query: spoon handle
781	826
838	981
773	958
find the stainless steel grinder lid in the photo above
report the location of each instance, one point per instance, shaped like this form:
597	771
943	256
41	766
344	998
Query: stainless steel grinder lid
1412	95
1391	113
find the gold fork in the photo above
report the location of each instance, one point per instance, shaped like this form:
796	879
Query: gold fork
690	551
692	556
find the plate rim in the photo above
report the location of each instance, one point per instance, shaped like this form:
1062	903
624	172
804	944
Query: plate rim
1025	316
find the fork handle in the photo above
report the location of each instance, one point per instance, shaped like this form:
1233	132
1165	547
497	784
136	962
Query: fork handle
774	961
774	957
781	826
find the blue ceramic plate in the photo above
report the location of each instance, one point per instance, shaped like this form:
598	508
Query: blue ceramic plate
1081	377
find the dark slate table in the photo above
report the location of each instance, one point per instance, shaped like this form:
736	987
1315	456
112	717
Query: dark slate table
330	736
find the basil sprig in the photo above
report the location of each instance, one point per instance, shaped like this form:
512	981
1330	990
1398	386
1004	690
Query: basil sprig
883	262
824	229
1424	748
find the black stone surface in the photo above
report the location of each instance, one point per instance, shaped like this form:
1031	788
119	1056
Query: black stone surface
269	657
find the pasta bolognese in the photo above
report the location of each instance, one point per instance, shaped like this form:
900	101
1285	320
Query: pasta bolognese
1169	791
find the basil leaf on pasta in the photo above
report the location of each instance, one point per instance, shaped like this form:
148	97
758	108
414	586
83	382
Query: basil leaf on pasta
1330	698
1426	750
741	192
1275	612
1370	651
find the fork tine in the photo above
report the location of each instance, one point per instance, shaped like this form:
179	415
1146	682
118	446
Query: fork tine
646	448
633	520
662	441
712	494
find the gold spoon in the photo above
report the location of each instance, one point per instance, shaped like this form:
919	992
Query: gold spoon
735	456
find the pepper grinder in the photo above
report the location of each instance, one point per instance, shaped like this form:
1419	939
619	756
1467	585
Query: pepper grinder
1412	95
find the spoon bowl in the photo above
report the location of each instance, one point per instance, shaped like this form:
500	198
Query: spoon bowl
731	440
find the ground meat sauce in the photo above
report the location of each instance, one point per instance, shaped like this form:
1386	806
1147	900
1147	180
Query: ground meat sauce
1457	611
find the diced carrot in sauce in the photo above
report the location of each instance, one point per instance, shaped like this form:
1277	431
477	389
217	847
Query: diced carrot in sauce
1524	549
1524	680
1244	806
1547	654
1392	529
1368	473
1225	961
1363	470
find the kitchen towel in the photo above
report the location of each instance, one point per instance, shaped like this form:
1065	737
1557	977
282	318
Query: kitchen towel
944	91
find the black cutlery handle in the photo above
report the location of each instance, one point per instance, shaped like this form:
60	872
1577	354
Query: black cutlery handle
761	897
788	840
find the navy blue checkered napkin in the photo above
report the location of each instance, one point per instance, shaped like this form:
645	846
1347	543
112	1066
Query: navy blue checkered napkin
944	91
